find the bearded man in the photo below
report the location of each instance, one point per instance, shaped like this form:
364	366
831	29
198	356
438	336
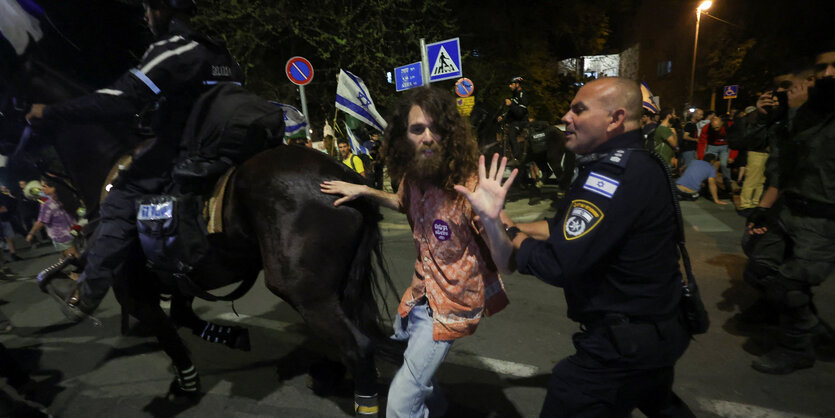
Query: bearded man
430	148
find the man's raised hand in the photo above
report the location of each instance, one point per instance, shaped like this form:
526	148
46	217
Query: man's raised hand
488	198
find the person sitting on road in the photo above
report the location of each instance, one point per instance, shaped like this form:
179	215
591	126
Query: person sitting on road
348	157
690	183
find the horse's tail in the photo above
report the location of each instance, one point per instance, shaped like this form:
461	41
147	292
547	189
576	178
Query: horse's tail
368	284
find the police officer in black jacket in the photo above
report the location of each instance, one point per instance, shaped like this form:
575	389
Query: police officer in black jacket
516	115
175	70
612	248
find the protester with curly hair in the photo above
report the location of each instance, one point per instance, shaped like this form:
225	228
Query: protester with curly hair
429	147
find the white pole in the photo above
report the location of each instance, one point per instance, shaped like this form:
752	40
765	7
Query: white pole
304	111
424	62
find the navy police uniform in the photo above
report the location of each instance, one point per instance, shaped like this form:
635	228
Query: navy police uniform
612	248
172	74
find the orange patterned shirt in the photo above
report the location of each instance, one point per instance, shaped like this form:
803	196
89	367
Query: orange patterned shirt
453	268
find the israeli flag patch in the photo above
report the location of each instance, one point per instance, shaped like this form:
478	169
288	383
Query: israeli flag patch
601	185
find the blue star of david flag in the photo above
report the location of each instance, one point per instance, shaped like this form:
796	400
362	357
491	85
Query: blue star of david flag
294	120
353	98
649	101
356	146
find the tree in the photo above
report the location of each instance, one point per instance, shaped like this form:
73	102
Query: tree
367	38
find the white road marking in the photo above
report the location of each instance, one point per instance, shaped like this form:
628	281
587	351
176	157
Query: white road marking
728	409
504	367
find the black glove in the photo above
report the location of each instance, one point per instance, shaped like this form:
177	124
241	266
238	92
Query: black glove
759	217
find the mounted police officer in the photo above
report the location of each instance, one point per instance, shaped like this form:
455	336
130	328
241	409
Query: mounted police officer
516	115
613	248
175	70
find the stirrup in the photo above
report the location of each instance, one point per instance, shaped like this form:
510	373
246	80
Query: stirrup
45	276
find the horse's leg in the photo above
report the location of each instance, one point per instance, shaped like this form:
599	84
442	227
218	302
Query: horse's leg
182	314
326	318
137	293
292	280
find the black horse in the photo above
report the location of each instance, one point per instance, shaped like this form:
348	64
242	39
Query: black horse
318	258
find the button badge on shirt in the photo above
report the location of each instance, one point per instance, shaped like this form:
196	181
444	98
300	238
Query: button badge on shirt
441	230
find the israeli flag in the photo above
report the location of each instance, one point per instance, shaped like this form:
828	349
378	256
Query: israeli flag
294	120
356	146
352	97
17	26
601	184
650	102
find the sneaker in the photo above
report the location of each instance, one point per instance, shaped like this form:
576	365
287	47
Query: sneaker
15	257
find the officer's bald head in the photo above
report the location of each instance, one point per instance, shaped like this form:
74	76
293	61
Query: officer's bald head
601	110
621	93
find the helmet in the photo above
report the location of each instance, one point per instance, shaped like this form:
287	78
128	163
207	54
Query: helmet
518	80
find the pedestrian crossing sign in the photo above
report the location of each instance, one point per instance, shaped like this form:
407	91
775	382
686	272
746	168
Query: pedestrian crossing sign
444	59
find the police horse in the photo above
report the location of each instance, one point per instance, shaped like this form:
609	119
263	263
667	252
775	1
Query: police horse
318	258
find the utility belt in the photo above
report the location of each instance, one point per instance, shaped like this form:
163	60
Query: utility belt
807	207
609	319
638	341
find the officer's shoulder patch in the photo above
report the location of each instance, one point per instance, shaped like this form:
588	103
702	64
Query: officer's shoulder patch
581	217
618	157
600	184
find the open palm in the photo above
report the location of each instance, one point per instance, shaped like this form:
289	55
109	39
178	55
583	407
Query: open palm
488	198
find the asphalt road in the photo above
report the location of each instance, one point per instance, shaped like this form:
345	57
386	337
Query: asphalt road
88	371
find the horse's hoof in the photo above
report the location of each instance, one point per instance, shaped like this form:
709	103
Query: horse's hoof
184	390
366	406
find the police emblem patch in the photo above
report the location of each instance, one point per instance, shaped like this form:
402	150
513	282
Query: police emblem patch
582	216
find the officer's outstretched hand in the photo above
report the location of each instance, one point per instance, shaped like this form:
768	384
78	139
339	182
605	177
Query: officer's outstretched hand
488	198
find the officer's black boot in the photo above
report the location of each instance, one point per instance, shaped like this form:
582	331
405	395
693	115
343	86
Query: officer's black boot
794	352
795	349
71	301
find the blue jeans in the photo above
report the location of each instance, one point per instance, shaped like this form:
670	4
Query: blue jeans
413	392
722	152
687	157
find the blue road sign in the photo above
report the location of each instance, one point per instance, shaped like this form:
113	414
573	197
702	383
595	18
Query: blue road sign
730	92
407	77
444	60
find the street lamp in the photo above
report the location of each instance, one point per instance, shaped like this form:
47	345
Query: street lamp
702	7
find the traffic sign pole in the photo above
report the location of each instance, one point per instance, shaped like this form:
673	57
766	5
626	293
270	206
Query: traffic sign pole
424	62
304	112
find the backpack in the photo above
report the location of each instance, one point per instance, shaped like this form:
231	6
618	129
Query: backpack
366	163
227	125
